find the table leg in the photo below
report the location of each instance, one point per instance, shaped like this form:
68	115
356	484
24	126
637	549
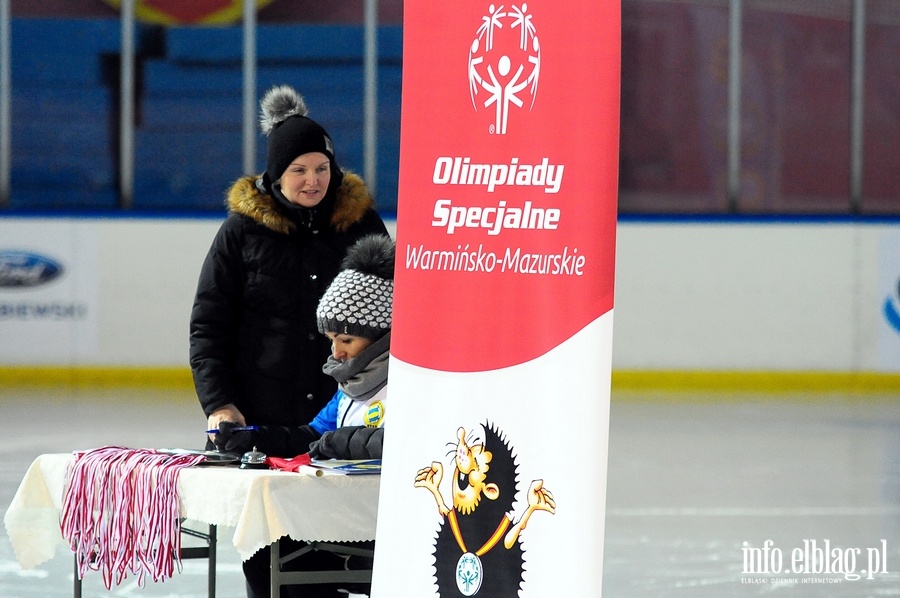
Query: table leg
285	577
186	553
203	552
211	576
275	570
77	589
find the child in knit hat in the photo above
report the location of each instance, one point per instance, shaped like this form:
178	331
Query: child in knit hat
355	314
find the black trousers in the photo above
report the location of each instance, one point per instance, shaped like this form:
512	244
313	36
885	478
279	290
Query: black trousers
258	576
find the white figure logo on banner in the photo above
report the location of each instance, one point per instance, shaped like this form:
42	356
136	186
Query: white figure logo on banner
498	59
483	487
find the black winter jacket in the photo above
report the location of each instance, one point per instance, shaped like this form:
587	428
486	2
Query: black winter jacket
253	336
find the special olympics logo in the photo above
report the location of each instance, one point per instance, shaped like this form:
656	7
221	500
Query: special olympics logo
505	47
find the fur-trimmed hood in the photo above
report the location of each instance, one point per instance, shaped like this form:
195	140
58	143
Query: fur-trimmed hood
351	202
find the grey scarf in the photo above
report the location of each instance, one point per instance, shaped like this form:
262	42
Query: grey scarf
363	376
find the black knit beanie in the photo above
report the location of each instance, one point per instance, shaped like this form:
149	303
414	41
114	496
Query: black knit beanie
360	298
291	133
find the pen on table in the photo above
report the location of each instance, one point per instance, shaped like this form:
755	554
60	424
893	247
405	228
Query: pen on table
238	429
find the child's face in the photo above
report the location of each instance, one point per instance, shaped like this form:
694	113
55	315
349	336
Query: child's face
347	346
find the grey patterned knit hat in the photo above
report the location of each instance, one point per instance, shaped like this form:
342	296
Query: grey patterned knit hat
359	300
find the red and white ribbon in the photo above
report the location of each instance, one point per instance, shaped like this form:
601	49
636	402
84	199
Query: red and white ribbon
120	512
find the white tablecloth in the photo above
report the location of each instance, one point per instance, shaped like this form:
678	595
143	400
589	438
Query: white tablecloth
262	506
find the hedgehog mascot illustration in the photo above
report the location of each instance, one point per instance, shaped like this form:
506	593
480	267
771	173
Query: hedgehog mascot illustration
478	547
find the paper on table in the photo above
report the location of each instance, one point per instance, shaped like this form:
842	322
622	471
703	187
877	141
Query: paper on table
347	466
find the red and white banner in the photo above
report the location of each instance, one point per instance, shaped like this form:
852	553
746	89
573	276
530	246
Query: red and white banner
502	338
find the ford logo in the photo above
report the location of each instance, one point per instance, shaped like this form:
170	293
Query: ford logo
23	269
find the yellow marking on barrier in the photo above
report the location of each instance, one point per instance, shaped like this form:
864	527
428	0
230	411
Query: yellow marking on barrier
771	382
627	381
96	376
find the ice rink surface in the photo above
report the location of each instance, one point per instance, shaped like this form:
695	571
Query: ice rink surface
708	493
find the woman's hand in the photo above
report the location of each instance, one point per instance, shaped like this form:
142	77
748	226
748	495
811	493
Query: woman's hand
228	413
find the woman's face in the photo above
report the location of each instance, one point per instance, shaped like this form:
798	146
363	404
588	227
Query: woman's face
347	346
305	181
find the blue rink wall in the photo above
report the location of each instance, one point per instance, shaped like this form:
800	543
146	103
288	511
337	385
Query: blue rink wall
701	303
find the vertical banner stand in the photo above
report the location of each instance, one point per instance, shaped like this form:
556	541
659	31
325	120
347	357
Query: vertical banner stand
494	477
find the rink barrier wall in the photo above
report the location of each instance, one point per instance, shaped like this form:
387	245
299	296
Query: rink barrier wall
701	303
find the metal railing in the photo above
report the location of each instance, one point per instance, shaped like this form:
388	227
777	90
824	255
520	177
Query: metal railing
5	103
127	96
736	10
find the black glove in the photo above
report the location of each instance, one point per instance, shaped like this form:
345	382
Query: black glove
323	448
230	441
349	442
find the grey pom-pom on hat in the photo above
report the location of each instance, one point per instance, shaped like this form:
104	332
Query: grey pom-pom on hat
284	118
359	300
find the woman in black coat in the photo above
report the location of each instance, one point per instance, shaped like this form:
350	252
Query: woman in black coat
255	352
